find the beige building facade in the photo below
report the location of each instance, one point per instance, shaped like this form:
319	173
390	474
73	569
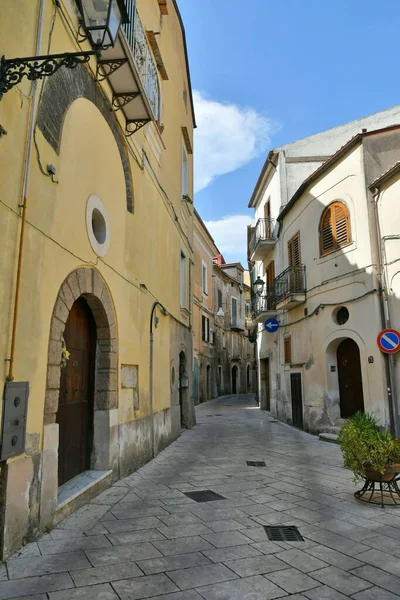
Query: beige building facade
223	359
325	281
96	267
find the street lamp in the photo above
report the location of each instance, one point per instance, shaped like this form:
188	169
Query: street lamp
101	19
258	286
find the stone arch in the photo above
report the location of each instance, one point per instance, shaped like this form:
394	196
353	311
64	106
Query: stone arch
87	283
60	91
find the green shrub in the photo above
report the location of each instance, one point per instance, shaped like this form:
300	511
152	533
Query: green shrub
366	446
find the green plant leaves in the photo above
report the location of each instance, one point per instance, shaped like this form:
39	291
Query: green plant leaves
366	446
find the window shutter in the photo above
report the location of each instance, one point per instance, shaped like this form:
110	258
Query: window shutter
335	228
341	225
203	328
287	350
208	329
234	311
327	239
219	299
294	251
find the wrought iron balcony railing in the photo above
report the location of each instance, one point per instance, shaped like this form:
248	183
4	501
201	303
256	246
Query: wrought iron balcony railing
290	282
142	56
262	232
261	304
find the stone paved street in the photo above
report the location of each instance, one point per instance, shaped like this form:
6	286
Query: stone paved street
143	538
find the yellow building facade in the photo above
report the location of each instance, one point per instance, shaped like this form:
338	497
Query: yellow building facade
96	222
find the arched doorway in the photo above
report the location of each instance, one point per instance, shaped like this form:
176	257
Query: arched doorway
75	406
234	379
350	378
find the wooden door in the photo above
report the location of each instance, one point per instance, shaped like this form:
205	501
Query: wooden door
234	380
297	399
350	379
75	409
267	385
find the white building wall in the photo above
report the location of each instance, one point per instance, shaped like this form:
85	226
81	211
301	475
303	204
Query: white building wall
332	281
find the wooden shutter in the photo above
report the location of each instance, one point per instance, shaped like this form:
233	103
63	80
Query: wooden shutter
208	329
203	327
270	274
287	349
294	251
219	299
335	228
234	311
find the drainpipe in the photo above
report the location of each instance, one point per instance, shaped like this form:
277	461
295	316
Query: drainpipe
385	316
23	206
153	319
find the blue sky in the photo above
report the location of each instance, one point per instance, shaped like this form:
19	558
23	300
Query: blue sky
270	72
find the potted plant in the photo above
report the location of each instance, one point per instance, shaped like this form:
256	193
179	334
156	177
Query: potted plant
369	450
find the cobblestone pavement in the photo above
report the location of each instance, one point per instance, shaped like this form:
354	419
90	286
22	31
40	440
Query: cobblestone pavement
144	538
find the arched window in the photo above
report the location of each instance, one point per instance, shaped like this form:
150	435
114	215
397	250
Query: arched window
334	230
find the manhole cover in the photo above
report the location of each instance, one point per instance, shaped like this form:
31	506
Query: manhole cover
255	463
204	496
283	533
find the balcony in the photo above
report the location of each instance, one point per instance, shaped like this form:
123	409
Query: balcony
290	288
261	308
262	239
131	71
237	324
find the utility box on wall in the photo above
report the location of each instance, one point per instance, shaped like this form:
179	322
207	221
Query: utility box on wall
15	409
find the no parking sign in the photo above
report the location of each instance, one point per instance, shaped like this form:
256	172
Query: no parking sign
389	341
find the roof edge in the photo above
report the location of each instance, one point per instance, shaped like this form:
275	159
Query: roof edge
328	163
174	2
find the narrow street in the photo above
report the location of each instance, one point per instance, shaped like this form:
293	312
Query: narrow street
144	538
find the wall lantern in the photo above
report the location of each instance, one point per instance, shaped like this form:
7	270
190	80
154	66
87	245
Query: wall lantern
101	20
258	286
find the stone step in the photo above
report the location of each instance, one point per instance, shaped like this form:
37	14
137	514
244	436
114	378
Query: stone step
330	429
329	437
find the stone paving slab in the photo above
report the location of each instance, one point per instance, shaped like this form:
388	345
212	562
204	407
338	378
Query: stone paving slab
250	588
292	580
35	585
172	563
256	565
340	580
105	574
144	587
199	576
46	565
94	592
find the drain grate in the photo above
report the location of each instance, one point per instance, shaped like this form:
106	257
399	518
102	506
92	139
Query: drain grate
255	463
283	533
204	496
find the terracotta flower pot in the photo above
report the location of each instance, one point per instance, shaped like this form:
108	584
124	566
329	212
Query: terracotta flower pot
390	473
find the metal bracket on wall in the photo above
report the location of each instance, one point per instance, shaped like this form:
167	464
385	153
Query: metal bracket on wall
2	131
138	124
105	68
120	100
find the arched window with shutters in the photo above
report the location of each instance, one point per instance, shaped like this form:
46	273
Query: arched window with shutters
334	229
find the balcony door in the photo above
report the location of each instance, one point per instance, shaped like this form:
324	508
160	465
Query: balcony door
294	258
270	279
267	216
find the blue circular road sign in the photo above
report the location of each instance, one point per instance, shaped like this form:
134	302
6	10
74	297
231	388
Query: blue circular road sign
389	341
271	325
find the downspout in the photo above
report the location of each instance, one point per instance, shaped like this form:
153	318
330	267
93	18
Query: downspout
385	317
155	321
26	178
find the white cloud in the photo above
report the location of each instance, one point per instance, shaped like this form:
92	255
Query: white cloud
227	137
230	235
